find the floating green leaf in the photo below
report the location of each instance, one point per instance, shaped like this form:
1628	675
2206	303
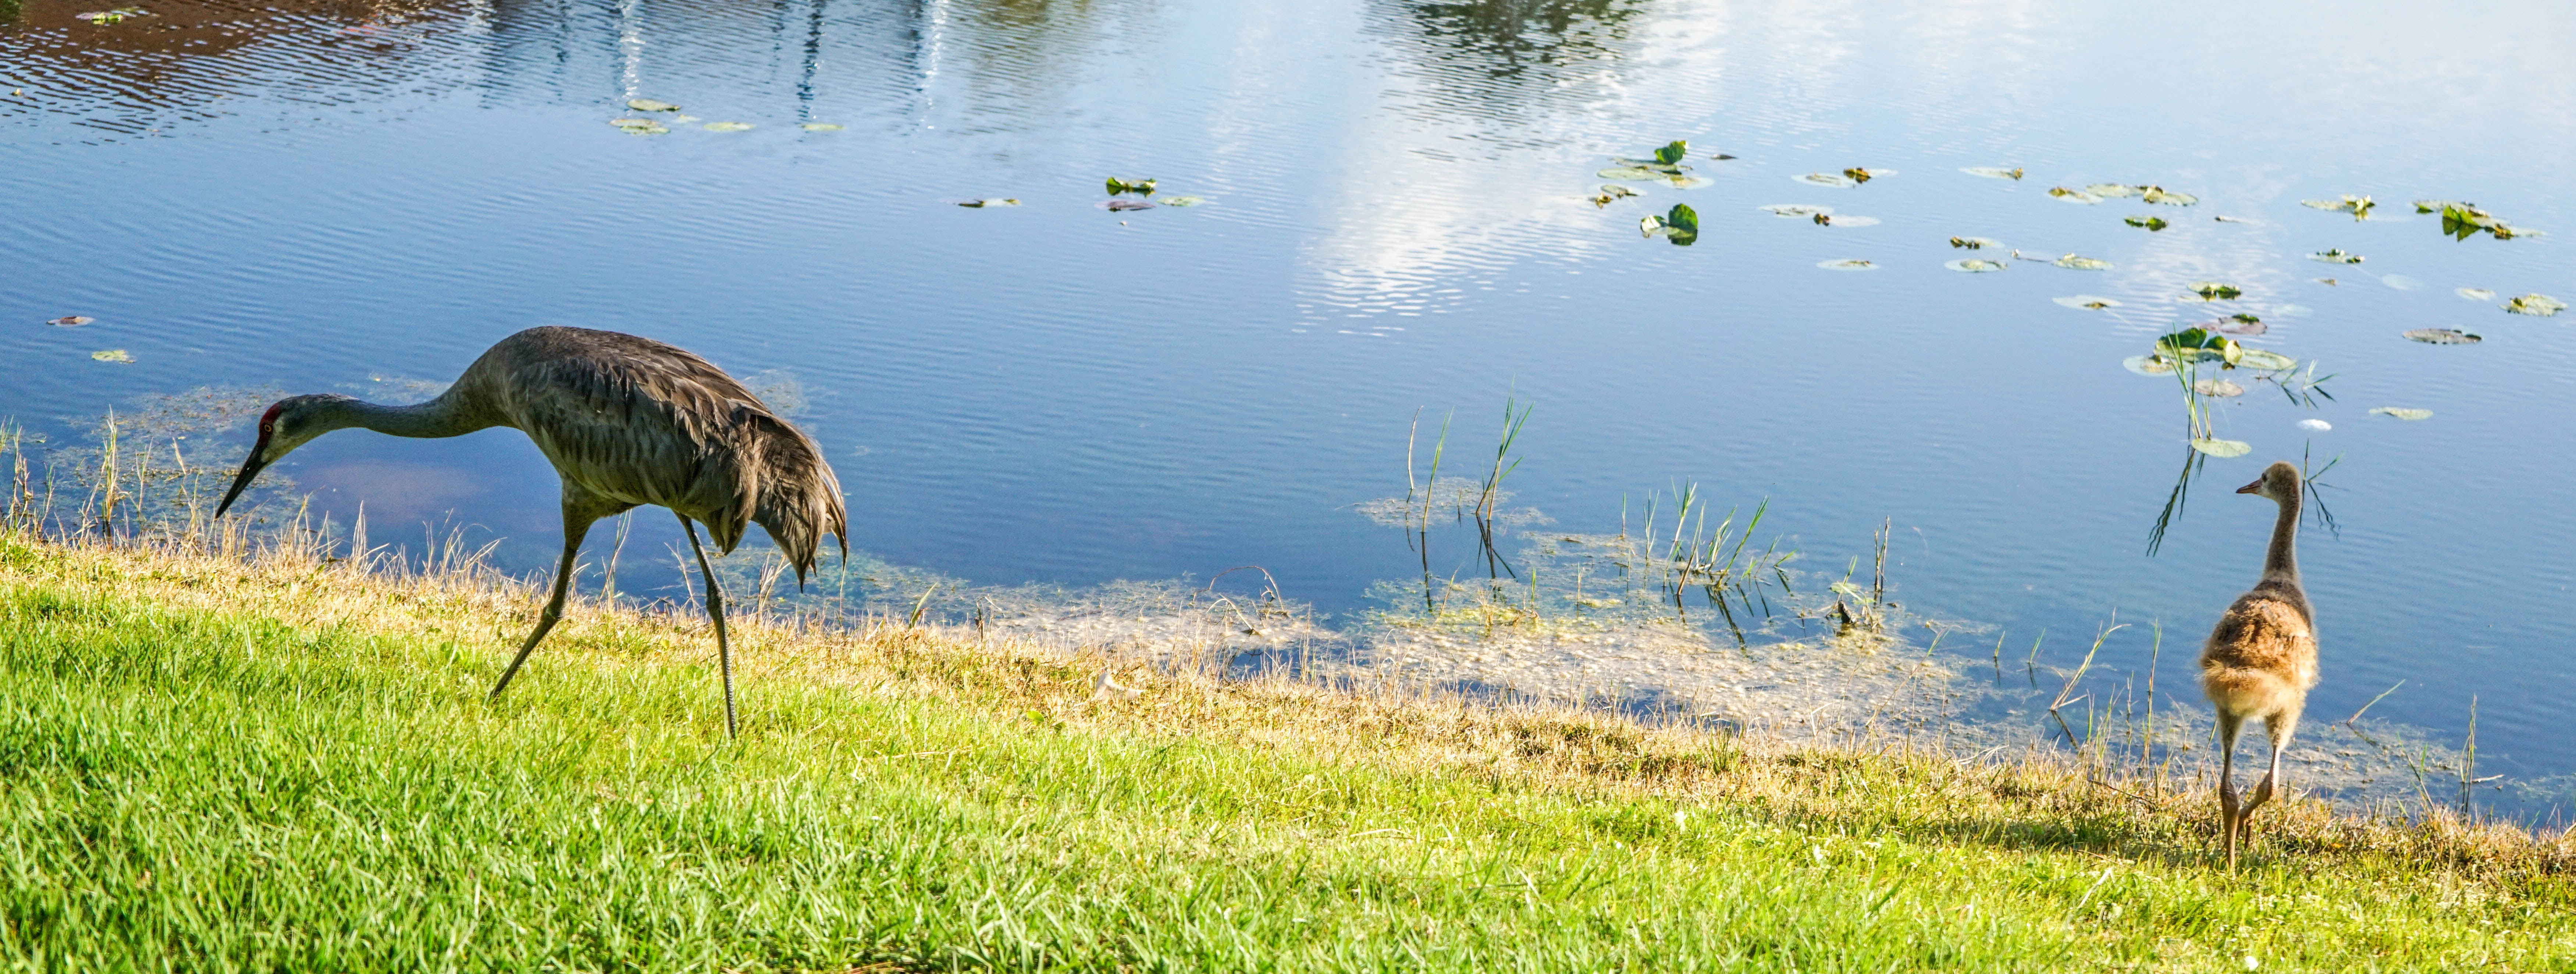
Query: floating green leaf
2462	221
70	321
2149	222
105	17
2073	262
1993	172
1972	265
978	204
1688	182
1827	179
2540	305
1121	206
649	105
2148	364
1673	152
2409	415
2217	388
1827	220
819	127
634	123
2215	291
2111	190
644	130
2264	361
2224	449
1859	175
2241	325
2442	336
2074	195
1611	193
2358	206
1140	187
1682	218
1848	264
2087	302
2335	256
2475	293
1975	243
2199	345
1629	172
1795	211
2162	196
728	126
116	355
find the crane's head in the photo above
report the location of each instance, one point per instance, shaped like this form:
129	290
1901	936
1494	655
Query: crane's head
291	423
2280	482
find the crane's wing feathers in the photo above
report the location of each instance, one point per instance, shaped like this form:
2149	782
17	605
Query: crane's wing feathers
642	422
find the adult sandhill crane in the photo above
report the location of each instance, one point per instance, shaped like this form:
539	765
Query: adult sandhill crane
627	421
2261	658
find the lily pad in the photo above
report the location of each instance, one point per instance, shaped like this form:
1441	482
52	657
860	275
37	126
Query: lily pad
2409	415
1848	264
2217	388
1688	182
1827	179
2072	262
103	18
2148	222
1183	201
116	355
1972	265
2165	197
2265	361
1796	211
2463	221
649	105
1121	206
1629	172
2540	305
1993	172
2358	206
2074	195
2442	336
2087	302
728	126
2199	345
71	321
2223	449
2215	291
1859	175
1975	243
2335	256
2241	325
1673	152
1140	187
2475	293
1828	220
2148	364
634	123
978	204
2111	190
644	130
819	127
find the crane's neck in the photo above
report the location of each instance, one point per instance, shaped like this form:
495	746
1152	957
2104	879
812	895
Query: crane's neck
2281	562
448	415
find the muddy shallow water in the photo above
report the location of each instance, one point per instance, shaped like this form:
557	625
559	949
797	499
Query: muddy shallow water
1400	220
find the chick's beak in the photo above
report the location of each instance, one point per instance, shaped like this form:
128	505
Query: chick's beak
2252	488
249	471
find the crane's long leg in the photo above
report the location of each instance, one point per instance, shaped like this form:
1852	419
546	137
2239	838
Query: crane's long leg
2228	816
574	529
2278	727
715	611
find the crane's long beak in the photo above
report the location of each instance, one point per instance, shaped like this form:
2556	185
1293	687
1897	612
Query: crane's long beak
2252	488
251	467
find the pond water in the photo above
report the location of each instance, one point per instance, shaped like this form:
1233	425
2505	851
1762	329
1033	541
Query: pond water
1399	220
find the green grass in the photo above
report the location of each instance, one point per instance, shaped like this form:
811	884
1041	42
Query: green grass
205	766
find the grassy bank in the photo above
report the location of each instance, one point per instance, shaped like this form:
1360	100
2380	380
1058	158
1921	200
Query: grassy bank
283	765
